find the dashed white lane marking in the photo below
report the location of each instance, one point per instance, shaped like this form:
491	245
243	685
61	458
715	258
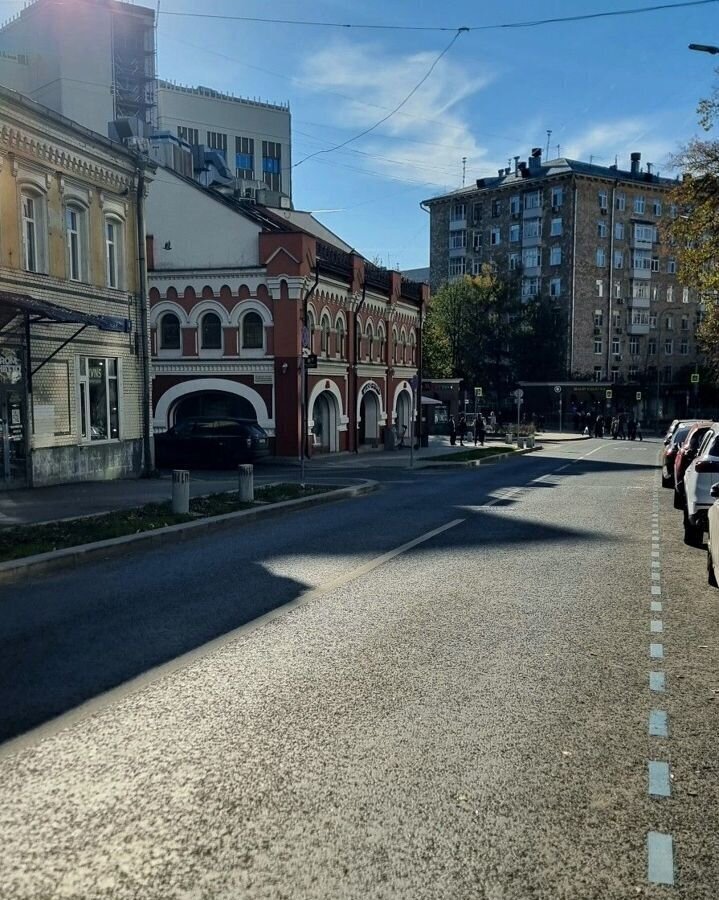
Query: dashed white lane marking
656	606
659	780
658	724
656	651
656	626
660	858
657	682
656	590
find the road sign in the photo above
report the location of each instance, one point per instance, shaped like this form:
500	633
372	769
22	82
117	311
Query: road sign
478	392
557	389
311	361
305	336
695	378
519	393
639	395
608	394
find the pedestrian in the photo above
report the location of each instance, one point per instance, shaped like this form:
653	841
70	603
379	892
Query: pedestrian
632	429
615	428
599	427
639	430
622	427
493	421
452	431
461	428
479	430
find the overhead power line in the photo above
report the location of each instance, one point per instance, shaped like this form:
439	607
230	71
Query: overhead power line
389	115
529	23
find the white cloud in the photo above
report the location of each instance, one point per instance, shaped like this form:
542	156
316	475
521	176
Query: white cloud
620	137
426	140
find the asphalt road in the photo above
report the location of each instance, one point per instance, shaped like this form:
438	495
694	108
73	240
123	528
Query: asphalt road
448	697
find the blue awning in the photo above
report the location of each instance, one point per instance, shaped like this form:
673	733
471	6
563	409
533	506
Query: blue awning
44	311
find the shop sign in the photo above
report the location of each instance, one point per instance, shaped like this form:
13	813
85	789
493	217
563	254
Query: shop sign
10	367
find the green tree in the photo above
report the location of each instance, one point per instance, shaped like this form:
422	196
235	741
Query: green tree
694	232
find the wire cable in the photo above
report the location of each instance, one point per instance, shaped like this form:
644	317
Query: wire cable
531	23
397	108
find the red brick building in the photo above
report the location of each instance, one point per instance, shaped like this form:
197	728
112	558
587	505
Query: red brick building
231	286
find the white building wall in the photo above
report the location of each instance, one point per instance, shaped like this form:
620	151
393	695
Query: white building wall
202	231
235	117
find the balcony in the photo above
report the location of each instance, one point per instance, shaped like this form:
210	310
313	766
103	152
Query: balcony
638	328
642	272
638	302
458	224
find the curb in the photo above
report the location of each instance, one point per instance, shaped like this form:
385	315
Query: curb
473	463
68	557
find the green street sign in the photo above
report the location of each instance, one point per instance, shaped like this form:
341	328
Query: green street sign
639	395
608	395
695	378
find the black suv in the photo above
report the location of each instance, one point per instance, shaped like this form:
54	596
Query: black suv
205	442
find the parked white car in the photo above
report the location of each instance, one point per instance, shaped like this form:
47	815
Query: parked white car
713	540
699	477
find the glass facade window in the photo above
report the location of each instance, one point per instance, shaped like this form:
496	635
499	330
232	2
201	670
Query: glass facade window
99	399
211	332
170	332
253	331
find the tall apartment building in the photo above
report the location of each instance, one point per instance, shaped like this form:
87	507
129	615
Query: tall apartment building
94	61
588	238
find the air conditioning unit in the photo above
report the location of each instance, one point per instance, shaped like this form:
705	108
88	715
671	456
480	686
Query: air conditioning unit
603	210
597	330
619	301
139	144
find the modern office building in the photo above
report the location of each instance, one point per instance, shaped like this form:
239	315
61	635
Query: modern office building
589	239
94	61
252	136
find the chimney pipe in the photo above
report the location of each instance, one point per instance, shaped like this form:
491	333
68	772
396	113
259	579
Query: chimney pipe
635	157
535	159
516	164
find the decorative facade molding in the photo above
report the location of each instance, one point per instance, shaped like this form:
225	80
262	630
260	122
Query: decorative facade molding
222	367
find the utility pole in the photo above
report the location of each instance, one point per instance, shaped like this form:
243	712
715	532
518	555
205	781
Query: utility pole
464	169
549	137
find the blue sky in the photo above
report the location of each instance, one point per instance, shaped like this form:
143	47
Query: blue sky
604	88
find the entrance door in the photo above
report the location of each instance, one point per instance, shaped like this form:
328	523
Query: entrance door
325	415
404	413
12	438
369	425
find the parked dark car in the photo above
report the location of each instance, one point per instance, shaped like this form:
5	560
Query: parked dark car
204	442
672	442
686	452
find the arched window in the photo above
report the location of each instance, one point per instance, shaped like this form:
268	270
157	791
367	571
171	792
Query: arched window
341	338
169	332
403	348
253	332
211	332
34	231
114	253
413	348
311	329
395	345
76	242
382	341
370	342
325	336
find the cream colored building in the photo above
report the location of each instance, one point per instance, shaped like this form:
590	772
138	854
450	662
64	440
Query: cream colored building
74	367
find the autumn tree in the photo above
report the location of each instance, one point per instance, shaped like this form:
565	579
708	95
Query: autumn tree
695	230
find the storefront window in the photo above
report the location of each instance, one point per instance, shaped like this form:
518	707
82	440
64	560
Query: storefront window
99	399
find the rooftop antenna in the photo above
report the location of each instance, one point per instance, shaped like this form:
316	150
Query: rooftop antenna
549	137
558	153
464	169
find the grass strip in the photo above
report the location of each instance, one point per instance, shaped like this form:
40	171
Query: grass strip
474	453
18	541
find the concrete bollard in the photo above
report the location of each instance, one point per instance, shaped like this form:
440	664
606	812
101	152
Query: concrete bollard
520	443
180	491
509	439
530	441
246	483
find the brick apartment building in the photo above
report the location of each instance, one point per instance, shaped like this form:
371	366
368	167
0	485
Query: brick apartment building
588	238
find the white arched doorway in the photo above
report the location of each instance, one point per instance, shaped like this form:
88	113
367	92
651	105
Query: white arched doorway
369	418
403	414
167	401
326	421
